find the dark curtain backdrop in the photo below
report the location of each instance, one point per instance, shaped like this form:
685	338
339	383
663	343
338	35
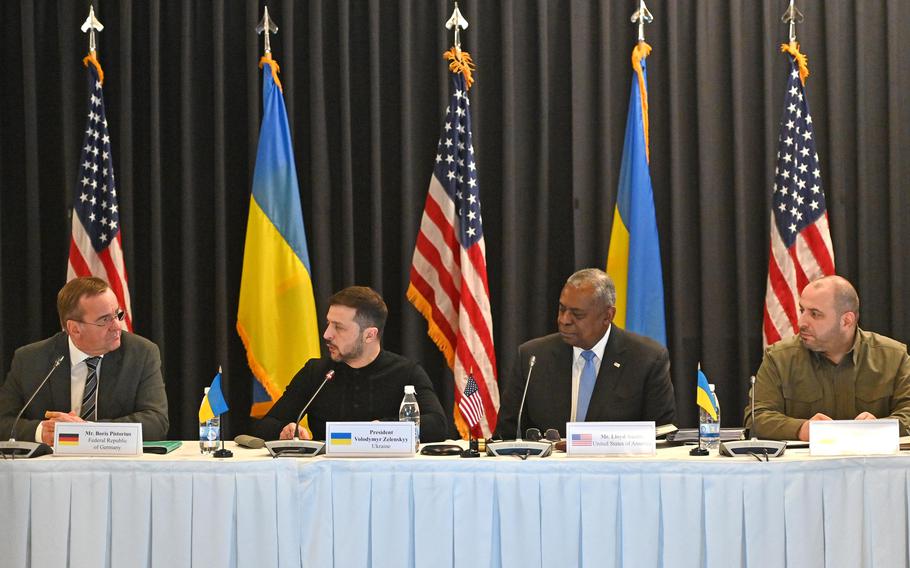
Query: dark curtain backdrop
365	87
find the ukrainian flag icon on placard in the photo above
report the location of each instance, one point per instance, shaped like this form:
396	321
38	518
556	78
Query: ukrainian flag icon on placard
340	439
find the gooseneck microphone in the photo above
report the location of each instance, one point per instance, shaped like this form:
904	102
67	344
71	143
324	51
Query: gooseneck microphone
766	448
297	447
524	395
15	449
521	448
328	377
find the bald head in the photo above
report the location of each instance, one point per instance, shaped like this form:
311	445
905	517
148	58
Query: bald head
845	297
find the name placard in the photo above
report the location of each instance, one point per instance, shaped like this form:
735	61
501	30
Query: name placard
370	439
97	439
854	437
611	438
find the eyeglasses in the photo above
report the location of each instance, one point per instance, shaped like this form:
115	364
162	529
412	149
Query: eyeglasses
534	435
105	321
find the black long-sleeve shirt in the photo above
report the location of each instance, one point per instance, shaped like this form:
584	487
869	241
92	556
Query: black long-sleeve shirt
373	392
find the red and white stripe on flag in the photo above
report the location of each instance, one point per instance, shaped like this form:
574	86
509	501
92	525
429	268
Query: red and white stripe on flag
448	283
801	248
95	246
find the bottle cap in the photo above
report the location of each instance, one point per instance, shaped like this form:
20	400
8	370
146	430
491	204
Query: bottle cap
409	389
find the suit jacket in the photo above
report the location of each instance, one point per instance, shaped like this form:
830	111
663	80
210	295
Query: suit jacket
130	386
633	384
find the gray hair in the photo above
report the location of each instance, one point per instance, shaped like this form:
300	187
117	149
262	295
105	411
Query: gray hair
604	289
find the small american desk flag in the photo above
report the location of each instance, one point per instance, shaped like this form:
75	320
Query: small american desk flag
95	246
801	249
471	405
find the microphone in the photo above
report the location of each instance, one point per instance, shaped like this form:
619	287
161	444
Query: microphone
524	395
519	447
15	449
297	447
769	448
249	441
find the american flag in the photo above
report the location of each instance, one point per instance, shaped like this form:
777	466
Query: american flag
801	249
582	440
448	282
471	405
95	247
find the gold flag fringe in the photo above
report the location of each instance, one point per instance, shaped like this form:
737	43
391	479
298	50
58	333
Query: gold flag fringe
461	62
801	60
641	51
273	65
93	59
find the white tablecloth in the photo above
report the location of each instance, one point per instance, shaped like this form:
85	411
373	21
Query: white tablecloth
672	510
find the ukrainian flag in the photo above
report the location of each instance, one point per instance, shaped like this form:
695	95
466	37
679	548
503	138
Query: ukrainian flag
703	395
276	317
634	256
213	404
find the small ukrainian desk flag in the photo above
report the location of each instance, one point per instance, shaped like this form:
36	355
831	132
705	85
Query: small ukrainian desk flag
704	396
213	404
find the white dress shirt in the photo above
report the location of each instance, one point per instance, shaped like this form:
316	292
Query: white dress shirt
78	374
578	364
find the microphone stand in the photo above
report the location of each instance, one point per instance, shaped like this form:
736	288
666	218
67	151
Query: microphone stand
521	448
12	448
297	447
767	448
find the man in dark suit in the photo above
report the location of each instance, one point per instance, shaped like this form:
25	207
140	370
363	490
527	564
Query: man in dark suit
106	375
590	370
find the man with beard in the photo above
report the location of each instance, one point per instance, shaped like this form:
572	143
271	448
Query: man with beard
832	370
368	382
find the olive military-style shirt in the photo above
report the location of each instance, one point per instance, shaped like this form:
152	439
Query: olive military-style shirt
794	383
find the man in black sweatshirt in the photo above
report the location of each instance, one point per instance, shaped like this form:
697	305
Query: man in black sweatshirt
368	382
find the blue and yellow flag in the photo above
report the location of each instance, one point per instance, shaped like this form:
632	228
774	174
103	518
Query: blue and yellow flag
704	397
276	318
634	257
213	404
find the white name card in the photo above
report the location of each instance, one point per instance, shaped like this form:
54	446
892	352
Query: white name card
853	437
97	439
370	439
611	438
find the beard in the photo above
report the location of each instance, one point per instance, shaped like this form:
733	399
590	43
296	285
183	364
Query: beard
355	352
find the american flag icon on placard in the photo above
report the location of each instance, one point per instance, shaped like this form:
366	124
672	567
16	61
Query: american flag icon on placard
582	440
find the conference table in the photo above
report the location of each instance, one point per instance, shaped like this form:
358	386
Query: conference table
185	509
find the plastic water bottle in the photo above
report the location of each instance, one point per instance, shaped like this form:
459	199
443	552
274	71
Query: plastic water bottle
208	432
709	427
410	412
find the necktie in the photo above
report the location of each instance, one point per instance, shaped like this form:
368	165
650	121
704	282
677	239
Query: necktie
586	386
91	387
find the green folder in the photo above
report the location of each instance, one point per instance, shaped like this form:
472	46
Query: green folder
161	447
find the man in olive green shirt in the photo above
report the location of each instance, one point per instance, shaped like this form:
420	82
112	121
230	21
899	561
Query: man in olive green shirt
831	371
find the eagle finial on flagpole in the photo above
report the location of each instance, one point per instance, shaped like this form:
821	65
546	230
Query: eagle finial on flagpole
267	25
90	25
792	16
457	21
641	17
